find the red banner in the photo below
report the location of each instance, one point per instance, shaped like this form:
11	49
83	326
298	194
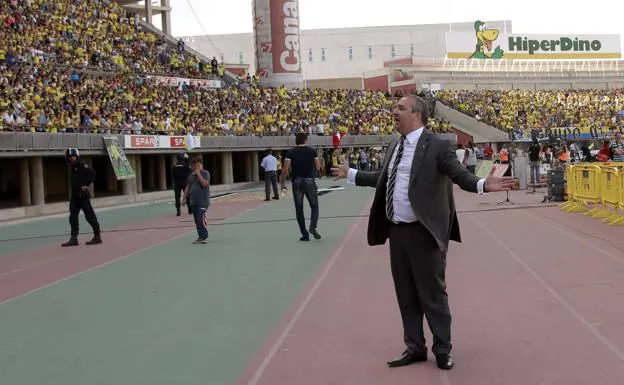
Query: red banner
285	36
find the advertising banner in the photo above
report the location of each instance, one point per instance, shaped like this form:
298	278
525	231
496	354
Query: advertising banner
490	43
121	166
188	142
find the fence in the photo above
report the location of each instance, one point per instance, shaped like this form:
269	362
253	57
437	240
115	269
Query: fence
596	190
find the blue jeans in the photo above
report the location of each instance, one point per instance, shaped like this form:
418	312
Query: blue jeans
200	215
305	187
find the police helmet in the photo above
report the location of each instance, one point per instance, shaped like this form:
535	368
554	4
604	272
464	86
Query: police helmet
182	157
72	152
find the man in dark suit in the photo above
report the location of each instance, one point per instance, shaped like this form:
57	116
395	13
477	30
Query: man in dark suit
414	208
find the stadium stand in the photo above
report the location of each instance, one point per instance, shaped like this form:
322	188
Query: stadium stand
526	110
43	98
88	33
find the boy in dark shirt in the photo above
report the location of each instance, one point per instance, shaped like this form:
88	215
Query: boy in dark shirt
198	192
305	166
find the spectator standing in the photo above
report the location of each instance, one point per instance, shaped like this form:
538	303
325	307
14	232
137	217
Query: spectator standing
269	164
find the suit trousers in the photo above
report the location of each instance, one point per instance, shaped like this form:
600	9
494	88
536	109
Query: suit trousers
418	269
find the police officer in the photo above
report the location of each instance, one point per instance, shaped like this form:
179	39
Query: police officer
81	176
181	172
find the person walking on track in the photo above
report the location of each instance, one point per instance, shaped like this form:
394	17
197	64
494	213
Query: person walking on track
81	176
198	192
414	208
305	165
181	172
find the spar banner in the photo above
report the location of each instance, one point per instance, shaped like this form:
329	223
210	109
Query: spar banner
188	142
121	166
489	43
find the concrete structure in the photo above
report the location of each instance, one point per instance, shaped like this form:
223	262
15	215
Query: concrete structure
150	8
474	74
34	173
344	53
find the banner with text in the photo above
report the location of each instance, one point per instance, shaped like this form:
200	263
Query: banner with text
489	43
121	166
188	142
178	82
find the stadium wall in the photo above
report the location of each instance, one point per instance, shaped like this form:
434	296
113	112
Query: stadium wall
344	52
34	174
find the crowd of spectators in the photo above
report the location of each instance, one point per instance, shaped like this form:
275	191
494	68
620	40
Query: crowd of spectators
81	65
88	33
43	98
527	110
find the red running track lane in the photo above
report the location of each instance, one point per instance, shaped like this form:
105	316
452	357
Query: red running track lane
24	272
543	310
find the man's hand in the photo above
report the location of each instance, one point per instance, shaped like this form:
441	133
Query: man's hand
340	172
85	188
493	183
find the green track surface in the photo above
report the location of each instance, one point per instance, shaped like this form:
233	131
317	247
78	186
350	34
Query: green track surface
56	229
176	314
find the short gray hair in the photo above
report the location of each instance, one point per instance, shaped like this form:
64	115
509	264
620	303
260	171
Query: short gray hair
420	105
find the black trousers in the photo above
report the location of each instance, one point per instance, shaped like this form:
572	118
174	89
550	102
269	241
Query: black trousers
270	178
82	201
177	193
418	269
305	187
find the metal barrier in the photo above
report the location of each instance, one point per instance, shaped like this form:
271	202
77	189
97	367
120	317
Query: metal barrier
599	185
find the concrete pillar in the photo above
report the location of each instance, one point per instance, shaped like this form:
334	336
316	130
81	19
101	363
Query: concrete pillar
4	179
166	17
151	172
162	173
227	176
24	172
255	166
138	171
248	167
126	187
148	11
36	181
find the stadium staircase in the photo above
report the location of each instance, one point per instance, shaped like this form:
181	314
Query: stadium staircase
479	131
228	77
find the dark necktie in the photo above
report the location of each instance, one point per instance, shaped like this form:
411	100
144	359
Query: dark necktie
392	180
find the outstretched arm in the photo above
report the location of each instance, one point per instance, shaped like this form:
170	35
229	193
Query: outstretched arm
356	177
449	165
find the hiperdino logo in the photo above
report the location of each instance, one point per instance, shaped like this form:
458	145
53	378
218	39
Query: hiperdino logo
563	44
485	41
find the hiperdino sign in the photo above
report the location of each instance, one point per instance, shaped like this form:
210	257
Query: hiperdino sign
488	43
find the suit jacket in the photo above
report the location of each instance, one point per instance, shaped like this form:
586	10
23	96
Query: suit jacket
434	170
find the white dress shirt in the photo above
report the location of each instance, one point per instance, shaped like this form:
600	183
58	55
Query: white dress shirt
403	211
269	163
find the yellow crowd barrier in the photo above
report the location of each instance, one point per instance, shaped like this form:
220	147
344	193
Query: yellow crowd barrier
597	190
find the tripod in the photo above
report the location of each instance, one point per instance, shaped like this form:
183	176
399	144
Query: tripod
506	200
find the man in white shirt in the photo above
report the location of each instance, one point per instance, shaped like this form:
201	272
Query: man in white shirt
414	208
269	164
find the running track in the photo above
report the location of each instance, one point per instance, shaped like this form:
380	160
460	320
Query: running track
534	300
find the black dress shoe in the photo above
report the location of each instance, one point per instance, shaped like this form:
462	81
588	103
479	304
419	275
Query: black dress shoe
444	361
407	358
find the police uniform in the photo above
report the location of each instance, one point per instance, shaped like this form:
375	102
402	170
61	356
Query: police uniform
181	172
81	176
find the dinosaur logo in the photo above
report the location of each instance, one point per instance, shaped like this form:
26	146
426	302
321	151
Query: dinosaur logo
485	37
